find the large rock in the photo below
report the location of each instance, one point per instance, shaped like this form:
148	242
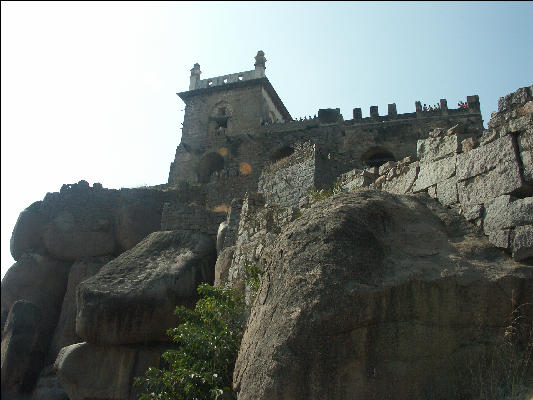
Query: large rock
71	236
486	158
22	349
134	222
503	179
28	232
371	295
65	332
435	148
48	386
40	280
507	212
87	371
433	172
133	297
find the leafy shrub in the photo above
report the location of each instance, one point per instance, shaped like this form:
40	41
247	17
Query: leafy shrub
208	339
253	275
318	195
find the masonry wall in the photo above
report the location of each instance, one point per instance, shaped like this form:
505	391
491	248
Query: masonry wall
486	177
287	180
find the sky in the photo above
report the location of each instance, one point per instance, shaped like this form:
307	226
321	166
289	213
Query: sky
88	89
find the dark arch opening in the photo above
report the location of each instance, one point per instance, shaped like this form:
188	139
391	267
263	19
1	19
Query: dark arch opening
209	163
280	153
376	156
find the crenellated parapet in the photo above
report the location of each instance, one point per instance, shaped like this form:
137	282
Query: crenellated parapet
472	107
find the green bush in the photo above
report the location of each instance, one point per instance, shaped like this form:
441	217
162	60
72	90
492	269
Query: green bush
208	340
318	195
253	275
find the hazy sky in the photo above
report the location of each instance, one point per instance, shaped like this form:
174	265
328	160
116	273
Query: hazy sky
89	89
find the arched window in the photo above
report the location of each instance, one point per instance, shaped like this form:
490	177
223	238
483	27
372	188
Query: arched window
376	156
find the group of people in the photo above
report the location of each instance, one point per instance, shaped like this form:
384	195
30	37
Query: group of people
282	121
434	107
462	105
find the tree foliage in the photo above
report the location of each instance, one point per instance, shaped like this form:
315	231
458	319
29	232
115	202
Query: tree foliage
208	340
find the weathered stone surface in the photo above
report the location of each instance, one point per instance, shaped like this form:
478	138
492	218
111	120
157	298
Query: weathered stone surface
434	172
447	191
223	265
523	242
132	298
500	238
486	158
383	169
403	183
435	148
133	222
505	212
221	235
68	239
473	212
22	349
361	180
39	280
525	147
354	288
48	386
65	332
87	371
28	231
517	98
516	125
503	179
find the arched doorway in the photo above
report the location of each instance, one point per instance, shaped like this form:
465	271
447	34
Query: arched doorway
376	156
280	153
209	163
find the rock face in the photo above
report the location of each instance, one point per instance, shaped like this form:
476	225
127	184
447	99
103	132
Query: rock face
132	298
24	281
65	332
88	371
367	294
22	349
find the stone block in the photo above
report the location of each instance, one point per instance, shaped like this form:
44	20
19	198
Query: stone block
402	184
486	158
516	125
447	191
523	242
503	213
525	149
435	148
473	212
500	238
434	172
503	179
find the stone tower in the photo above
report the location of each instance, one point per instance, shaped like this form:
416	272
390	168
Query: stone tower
217	109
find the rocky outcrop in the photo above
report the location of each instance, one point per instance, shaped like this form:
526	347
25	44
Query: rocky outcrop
132	298
24	281
88	371
22	349
65	331
82	221
485	177
368	294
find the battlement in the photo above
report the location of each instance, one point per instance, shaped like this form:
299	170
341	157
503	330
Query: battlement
472	107
258	72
